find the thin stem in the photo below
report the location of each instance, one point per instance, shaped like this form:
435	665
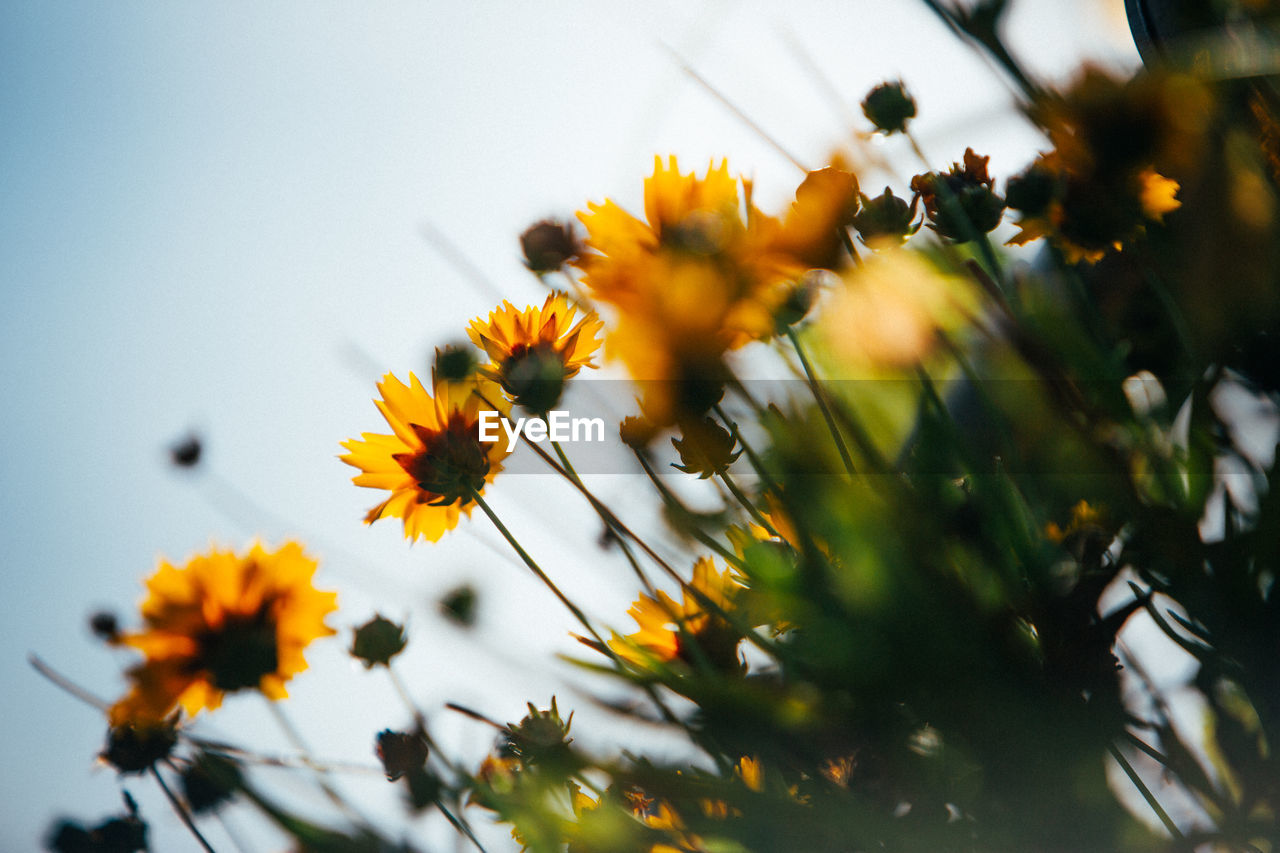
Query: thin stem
231	832
534	567
418	717
1144	791
294	737
461	826
181	810
608	520
62	682
821	399
754	458
669	498
747	504
737	111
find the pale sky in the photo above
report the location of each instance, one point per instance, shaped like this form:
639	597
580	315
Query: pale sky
213	218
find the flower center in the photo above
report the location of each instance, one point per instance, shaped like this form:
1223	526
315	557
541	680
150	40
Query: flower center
452	463
534	376
241	651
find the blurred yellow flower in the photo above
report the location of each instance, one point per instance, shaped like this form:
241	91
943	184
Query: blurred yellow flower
221	623
696	262
435	458
890	312
704	272
533	352
669	629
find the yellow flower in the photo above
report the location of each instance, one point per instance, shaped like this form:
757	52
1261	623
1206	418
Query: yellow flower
1086	216
534	351
222	623
687	631
435	458
703	273
693	279
1084	516
890	312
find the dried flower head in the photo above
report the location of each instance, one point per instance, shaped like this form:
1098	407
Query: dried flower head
221	623
435	460
540	739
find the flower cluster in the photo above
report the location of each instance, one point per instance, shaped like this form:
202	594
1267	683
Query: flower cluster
879	605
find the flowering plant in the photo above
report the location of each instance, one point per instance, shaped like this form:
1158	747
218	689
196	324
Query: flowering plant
946	564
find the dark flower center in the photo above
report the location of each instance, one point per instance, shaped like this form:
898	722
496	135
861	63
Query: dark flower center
534	376
452	464
240	652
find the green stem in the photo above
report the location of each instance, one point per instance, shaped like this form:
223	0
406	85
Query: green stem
670	499
295	738
821	399
535	568
1144	791
608	520
460	826
747	504
754	458
181	810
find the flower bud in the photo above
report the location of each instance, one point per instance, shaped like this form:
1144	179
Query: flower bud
210	781
401	752
886	220
548	245
377	642
455	363
132	747
706	448
889	107
636	432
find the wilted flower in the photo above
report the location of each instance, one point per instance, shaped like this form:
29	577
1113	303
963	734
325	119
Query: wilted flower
434	461
962	204
1082	215
534	351
540	739
223	622
889	107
